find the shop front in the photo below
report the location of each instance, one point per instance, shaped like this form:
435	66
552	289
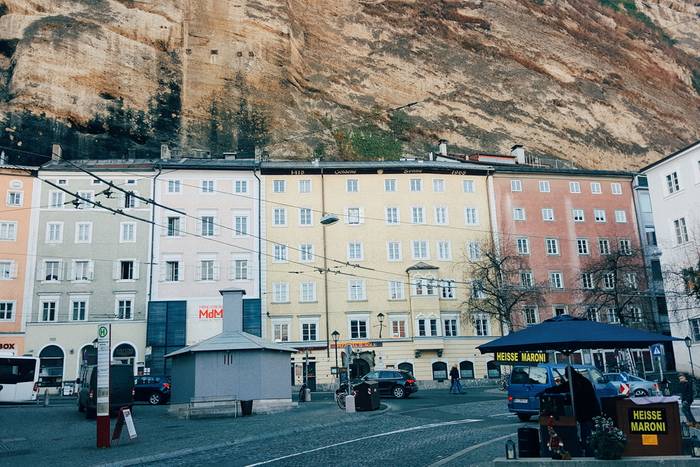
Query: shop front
12	344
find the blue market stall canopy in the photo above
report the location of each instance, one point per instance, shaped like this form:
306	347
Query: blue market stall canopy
567	334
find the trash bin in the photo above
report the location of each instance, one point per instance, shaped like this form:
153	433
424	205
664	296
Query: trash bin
528	442
246	408
652	426
366	396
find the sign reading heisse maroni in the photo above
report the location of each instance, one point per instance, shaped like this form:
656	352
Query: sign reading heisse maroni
647	420
521	357
210	312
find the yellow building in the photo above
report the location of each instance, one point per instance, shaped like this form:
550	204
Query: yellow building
388	276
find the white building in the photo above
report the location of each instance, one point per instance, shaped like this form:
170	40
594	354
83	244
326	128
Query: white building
674	185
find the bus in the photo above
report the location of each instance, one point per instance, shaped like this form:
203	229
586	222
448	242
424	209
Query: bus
19	379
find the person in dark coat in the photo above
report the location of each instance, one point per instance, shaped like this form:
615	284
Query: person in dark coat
455	386
687	397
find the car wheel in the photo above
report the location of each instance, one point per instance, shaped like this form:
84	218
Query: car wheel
398	392
640	393
524	417
154	399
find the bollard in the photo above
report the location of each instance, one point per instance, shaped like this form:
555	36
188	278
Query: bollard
350	404
46	398
307	395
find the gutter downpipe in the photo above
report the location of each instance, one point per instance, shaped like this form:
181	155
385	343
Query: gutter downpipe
495	237
153	239
325	268
255	174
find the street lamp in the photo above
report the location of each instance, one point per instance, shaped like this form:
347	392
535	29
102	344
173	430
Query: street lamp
689	344
336	335
380	318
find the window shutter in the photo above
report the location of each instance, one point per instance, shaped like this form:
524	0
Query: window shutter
115	270
347	218
216	271
216	226
136	270
198	273
13	270
164	225
74	271
232	270
42	275
183	226
180	271
62	270
362	215
91	270
163	269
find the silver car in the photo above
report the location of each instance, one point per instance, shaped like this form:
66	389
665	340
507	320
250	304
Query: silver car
639	387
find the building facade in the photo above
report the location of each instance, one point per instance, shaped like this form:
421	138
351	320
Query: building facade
674	185
91	266
17	221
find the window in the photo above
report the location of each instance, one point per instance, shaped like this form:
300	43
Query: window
482	327
393	251
130	200
356	290
207	226
279	216
523	245
307	292
695	329
48	310
280	332
174	186
672	183
207	186
468	186
304	186
613	316
616	188
7	311
474	250
392	215
128	232
240	225
450	327
560	310
620	216
587	280
466	369
125	307
530	314
609	280
574	187
126	270
420	249
635	314
444	250
424	286
78	309
604	246
358	328
279	186
631	280
592	313
516	185
390	184
352	185
578	215
240	270
353	216
308	331
8	230
544	186
625	247
279	252
6	270
599	215
477	289
556	280
14	198
416	184
83	232
417	215
240	186
306	252
396	290
305	217
441	215
355	251
280	292
518	214
54	232
56	199
86	196
547	214
471	216
82	270
551	246
52	270
595	188
447	290
172	271
398	327
582	246
526	279
427	327
438	185
681	231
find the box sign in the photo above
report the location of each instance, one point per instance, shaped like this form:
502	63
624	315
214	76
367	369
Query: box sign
521	357
210	312
648	421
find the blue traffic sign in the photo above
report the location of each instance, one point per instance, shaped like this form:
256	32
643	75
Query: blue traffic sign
657	350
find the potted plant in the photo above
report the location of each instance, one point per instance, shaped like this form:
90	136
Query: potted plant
606	440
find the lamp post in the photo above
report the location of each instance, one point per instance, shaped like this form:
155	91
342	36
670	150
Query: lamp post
689	344
336	336
380	318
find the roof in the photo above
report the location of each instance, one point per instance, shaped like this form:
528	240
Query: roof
421	266
548	170
100	164
212	164
338	167
671	156
235	340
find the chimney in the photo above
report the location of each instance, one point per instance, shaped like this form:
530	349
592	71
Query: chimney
519	152
443	147
56	152
233	309
164	152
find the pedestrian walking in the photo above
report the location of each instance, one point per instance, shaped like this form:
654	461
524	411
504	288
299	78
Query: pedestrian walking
686	393
456	385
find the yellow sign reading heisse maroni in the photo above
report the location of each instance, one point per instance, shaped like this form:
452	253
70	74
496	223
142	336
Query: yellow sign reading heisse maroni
648	421
521	357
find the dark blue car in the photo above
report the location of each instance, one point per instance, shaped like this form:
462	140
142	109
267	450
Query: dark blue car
152	389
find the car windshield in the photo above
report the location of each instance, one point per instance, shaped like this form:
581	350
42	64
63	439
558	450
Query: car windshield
519	375
635	378
614	376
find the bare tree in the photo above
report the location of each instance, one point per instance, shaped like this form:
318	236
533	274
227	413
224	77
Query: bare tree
501	284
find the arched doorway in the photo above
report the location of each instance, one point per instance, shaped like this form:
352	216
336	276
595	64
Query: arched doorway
439	371
405	366
466	369
88	355
51	366
124	354
493	370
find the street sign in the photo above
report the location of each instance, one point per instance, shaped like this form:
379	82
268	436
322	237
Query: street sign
103	359
657	350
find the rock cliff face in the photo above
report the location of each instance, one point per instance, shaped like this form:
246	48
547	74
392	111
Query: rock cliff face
605	84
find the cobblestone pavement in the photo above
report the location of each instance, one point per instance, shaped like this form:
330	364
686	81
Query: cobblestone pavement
431	427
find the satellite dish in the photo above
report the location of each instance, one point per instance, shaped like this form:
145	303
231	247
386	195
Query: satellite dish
329	219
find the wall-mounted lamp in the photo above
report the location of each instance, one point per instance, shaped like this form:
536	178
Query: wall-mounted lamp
510	450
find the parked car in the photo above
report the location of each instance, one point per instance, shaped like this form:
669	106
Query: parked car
639	387
121	389
527	382
152	389
396	383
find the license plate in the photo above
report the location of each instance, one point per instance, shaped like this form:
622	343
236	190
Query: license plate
520	401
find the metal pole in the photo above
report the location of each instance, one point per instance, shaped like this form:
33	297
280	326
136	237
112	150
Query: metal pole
569	370
692	367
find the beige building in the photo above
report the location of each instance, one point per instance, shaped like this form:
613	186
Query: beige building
388	276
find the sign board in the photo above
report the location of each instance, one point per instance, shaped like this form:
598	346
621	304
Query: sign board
210	312
124	419
648	421
103	360
531	358
657	350
336	370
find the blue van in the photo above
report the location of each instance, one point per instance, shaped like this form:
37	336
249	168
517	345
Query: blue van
527	382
